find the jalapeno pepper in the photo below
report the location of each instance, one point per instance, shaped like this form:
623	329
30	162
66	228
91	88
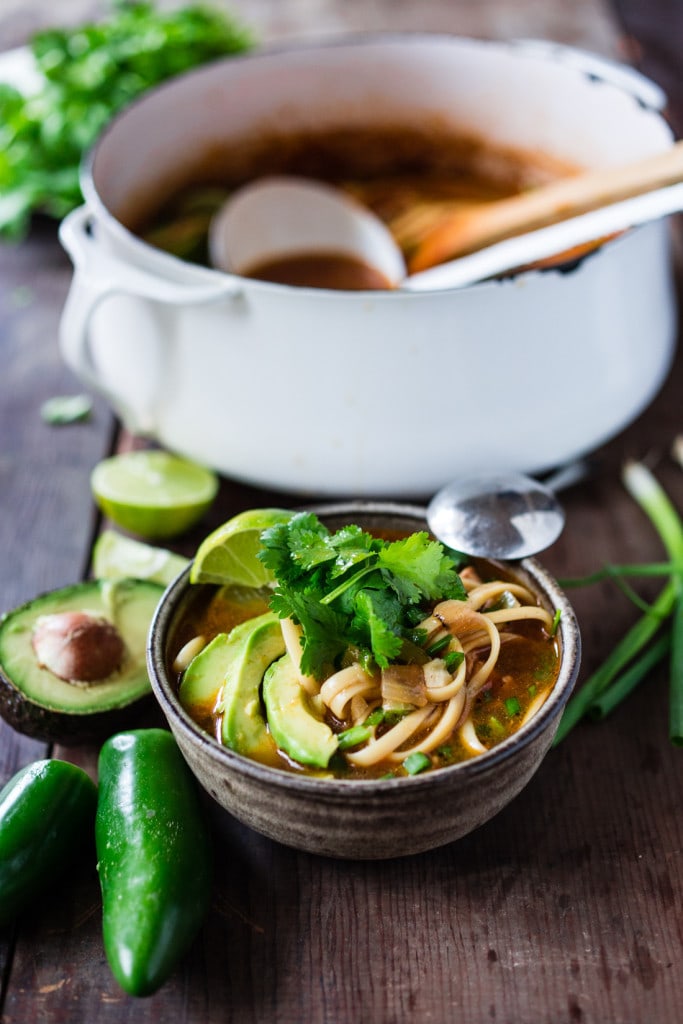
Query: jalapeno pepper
47	811
154	857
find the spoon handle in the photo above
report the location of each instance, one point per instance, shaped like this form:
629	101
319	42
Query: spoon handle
466	231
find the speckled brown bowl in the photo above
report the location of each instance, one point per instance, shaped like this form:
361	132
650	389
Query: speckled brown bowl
368	819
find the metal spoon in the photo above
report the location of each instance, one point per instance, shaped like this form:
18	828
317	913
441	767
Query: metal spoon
506	516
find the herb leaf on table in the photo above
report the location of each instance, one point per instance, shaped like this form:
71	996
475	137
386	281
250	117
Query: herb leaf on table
89	73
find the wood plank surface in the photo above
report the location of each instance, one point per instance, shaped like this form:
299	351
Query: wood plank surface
564	908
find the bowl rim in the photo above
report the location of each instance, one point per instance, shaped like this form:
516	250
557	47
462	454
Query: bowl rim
544	585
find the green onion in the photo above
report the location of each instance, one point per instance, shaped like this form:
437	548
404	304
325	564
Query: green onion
439	645
556	621
654	501
453	660
637	637
375	717
512	706
417	762
445	752
66	409
676	681
496	725
353	736
610	572
606	702
666	520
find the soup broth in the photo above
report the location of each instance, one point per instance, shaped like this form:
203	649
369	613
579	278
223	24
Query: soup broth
524	673
321	270
407	176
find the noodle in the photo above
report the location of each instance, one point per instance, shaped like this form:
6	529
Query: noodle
338	690
472	626
291	634
477	670
379	749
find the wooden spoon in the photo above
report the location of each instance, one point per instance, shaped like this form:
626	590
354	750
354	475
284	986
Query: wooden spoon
467	230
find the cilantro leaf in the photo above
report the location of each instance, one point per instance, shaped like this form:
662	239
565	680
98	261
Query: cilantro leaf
419	569
324	629
351	590
377	620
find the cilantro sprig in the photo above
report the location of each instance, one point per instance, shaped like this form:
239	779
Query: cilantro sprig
89	72
349	589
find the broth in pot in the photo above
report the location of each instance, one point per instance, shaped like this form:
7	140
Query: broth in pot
409	178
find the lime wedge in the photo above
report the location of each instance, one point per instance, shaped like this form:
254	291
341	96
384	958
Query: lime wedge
153	493
116	557
228	555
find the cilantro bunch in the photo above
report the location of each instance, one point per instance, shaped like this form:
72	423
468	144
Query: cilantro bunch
351	590
89	73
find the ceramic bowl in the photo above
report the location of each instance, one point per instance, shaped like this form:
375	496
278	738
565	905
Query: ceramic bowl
367	819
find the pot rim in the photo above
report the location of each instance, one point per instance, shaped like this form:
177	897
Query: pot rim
341	789
164	261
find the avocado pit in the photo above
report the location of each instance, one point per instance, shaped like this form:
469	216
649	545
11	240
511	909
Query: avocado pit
77	646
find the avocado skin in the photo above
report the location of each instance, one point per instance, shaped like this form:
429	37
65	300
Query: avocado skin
48	726
58	725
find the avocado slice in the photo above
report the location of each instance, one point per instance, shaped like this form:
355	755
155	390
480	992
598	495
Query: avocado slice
96	630
293	724
226	677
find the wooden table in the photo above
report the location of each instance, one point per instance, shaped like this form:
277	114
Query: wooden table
566	907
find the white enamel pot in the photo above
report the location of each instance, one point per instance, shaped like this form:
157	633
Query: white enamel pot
382	393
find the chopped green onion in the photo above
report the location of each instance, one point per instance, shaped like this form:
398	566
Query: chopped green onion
532	690
353	736
445	752
375	717
496	725
417	762
66	409
512	706
556	621
439	645
453	660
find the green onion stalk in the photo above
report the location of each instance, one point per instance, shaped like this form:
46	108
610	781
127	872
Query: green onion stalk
632	659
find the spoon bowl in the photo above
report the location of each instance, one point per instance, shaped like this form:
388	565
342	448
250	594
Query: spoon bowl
281	217
506	517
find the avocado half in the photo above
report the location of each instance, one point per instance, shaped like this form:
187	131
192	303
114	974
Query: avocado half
37	702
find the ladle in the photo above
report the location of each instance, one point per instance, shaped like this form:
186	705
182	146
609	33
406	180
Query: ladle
284	216
502	516
281	216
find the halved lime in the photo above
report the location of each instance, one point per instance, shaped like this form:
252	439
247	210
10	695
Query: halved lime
117	557
153	493
228	555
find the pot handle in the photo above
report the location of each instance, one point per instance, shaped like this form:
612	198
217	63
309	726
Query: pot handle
97	275
630	80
